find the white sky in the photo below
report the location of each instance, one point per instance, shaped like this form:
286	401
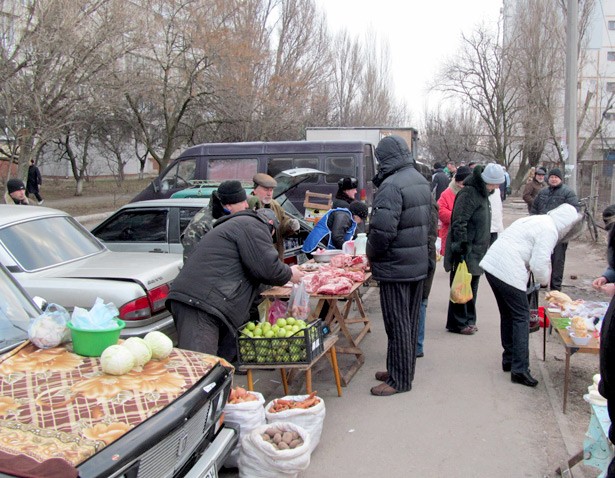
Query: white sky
421	35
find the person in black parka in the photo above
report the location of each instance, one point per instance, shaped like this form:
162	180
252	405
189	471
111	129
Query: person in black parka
212	294
398	253
34	181
469	238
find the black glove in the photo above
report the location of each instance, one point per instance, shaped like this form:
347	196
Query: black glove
463	248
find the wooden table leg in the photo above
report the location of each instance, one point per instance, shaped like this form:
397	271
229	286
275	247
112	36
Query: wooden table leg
284	380
308	380
566	378
336	370
250	381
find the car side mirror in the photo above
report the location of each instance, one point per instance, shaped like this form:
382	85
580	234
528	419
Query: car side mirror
156	185
40	302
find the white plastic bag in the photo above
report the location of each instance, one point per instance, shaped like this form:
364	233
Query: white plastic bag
49	329
261	459
311	419
247	416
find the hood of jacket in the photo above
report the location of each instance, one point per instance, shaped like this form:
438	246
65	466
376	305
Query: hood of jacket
393	154
566	219
476	181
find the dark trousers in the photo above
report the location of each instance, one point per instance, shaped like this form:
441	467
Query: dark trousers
400	303
202	332
514	324
558	258
36	195
461	315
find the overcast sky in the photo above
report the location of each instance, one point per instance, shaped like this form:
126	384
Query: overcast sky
421	35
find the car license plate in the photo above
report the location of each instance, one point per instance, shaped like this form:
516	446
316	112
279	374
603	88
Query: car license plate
211	473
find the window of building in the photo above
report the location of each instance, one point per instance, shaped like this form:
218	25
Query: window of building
610	55
610	86
611	24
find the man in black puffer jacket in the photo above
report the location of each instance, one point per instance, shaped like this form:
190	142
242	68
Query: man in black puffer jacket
211	297
398	254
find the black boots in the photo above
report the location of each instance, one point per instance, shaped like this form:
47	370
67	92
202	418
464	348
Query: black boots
524	379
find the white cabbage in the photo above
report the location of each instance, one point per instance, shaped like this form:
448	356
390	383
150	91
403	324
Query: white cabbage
140	349
160	344
117	360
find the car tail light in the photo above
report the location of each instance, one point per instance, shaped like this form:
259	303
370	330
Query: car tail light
363	195
158	296
136	310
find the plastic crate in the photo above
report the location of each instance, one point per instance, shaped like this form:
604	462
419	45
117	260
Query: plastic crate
301	347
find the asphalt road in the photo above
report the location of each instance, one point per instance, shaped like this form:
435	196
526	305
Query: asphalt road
463	417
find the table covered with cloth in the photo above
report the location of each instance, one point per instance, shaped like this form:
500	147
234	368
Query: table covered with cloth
57	408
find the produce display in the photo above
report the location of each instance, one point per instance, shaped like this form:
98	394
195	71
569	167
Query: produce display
135	352
282	439
241	395
280	404
287	341
579	327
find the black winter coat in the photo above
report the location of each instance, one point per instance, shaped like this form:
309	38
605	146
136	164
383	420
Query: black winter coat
439	182
34	179
338	223
469	234
227	266
397	240
551	197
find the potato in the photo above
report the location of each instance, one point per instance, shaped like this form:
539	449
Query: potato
277	438
287	437
295	435
295	443
266	437
283	446
271	432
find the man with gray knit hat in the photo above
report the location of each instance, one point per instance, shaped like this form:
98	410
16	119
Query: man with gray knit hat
230	197
547	199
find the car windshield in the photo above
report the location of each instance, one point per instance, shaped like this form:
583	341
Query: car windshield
48	241
16	311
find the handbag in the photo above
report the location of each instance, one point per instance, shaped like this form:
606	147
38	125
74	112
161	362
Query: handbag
532	297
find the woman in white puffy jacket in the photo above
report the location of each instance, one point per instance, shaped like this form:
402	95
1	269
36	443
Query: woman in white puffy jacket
525	246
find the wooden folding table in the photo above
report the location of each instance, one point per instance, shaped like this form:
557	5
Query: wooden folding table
339	320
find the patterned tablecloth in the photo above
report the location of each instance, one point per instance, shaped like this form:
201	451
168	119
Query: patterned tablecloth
58	408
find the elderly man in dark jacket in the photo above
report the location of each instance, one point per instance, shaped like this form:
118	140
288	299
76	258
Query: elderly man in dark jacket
398	253
211	297
547	199
469	238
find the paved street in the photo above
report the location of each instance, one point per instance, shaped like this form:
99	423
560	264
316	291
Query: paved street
463	417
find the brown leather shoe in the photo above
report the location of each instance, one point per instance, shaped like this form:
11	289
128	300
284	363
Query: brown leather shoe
383	390
382	376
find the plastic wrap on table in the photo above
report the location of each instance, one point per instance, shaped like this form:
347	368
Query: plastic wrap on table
100	317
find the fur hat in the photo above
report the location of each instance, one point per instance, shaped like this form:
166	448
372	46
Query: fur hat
344	184
14	185
493	174
556	172
462	173
264	180
231	192
358	208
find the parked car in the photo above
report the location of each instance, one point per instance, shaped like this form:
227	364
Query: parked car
149	226
62	416
156	225
55	257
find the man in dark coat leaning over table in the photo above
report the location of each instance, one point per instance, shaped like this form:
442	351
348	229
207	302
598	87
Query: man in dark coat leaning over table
211	297
398	254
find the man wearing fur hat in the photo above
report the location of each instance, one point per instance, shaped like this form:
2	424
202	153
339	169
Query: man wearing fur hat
556	194
533	187
229	198
15	192
262	197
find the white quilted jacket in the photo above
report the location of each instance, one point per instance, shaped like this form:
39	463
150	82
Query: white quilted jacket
527	245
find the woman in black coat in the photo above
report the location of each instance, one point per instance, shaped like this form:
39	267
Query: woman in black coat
468	239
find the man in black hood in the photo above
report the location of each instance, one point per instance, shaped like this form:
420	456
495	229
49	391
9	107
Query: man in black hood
398	253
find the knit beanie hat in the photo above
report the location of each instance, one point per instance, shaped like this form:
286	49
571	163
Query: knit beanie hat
541	170
358	208
556	172
14	185
462	173
231	192
493	174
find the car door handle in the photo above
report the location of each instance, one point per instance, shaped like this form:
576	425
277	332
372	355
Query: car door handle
157	250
